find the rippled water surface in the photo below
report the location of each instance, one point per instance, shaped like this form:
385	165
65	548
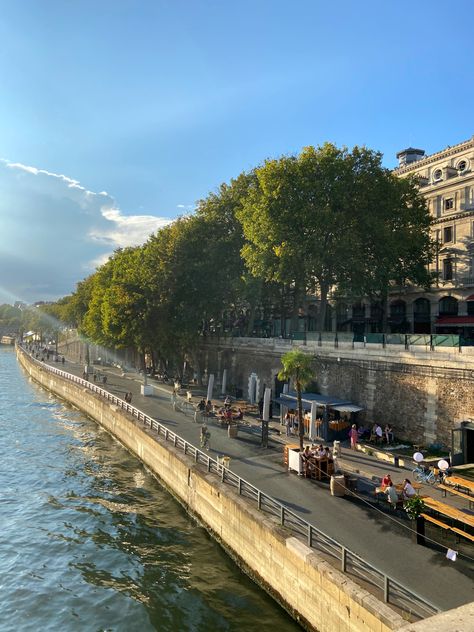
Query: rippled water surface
90	541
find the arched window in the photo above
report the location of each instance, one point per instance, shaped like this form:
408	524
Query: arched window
448	306
421	316
421	309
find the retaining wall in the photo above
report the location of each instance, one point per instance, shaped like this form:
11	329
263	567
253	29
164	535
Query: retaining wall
318	596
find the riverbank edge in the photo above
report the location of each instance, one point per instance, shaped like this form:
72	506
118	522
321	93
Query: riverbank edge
315	594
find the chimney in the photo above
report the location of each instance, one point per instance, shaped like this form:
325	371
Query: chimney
407	156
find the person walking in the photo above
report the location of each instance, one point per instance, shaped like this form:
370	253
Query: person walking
205	436
353	436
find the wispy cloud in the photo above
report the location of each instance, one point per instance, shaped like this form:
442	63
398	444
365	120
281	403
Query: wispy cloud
54	231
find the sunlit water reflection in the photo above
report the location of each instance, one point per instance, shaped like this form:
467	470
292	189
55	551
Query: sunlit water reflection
91	541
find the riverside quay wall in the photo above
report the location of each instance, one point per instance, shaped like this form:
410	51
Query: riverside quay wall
318	596
424	394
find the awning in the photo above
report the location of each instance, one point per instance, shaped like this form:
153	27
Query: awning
289	400
291	403
348	408
454	321
470	298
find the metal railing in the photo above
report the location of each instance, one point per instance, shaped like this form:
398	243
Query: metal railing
384	586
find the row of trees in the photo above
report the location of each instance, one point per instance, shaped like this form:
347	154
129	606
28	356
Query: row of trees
326	220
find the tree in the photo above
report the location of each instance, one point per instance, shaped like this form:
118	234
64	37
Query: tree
298	367
329	218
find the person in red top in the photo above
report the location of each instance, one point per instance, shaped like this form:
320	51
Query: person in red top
386	481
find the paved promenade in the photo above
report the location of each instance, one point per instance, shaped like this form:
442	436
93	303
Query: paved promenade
375	533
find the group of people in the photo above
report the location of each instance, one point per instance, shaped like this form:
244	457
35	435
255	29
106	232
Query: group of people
393	496
310	455
375	434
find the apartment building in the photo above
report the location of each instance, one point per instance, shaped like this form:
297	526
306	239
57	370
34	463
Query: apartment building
446	179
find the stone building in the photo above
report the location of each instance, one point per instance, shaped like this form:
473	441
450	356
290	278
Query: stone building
446	179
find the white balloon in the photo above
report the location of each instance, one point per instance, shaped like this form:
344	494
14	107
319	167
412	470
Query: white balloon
418	457
443	465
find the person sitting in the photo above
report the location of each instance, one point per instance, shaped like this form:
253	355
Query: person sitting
202	405
208	407
361	431
388	432
408	490
227	401
239	415
321	451
305	457
386	481
376	434
391	494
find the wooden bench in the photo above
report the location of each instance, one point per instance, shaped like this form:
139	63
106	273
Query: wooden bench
463	533
451	490
446	527
435	521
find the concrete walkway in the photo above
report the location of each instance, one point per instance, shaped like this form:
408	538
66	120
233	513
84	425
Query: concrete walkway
375	533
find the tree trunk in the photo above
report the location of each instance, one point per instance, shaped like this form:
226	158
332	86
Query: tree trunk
324	289
143	362
384	306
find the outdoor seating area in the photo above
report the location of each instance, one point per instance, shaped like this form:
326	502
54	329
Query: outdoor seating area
315	462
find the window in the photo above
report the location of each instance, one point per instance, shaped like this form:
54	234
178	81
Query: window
448	306
462	166
447	234
447	270
448	204
437	174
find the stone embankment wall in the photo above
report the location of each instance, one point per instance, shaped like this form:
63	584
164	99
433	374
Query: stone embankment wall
316	594
423	394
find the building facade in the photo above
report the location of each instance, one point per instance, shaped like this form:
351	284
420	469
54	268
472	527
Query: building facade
446	179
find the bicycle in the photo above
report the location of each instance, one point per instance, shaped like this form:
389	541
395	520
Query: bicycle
423	474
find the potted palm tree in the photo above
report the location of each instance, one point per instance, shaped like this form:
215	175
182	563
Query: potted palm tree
297	367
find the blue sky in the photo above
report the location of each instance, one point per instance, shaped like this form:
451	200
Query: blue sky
158	102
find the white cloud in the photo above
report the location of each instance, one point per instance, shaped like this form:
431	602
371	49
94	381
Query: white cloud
54	232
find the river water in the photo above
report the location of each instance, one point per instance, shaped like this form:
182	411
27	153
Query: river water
91	541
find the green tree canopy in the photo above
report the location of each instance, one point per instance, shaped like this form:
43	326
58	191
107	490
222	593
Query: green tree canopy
328	217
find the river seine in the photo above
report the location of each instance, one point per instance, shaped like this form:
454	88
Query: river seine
91	541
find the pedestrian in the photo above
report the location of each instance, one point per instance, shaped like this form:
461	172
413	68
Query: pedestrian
353	436
288	424
205	436
63	359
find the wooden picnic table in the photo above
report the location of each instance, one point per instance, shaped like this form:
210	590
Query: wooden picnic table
457	481
450	512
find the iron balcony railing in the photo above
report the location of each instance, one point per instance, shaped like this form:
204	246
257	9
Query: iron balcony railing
384	586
